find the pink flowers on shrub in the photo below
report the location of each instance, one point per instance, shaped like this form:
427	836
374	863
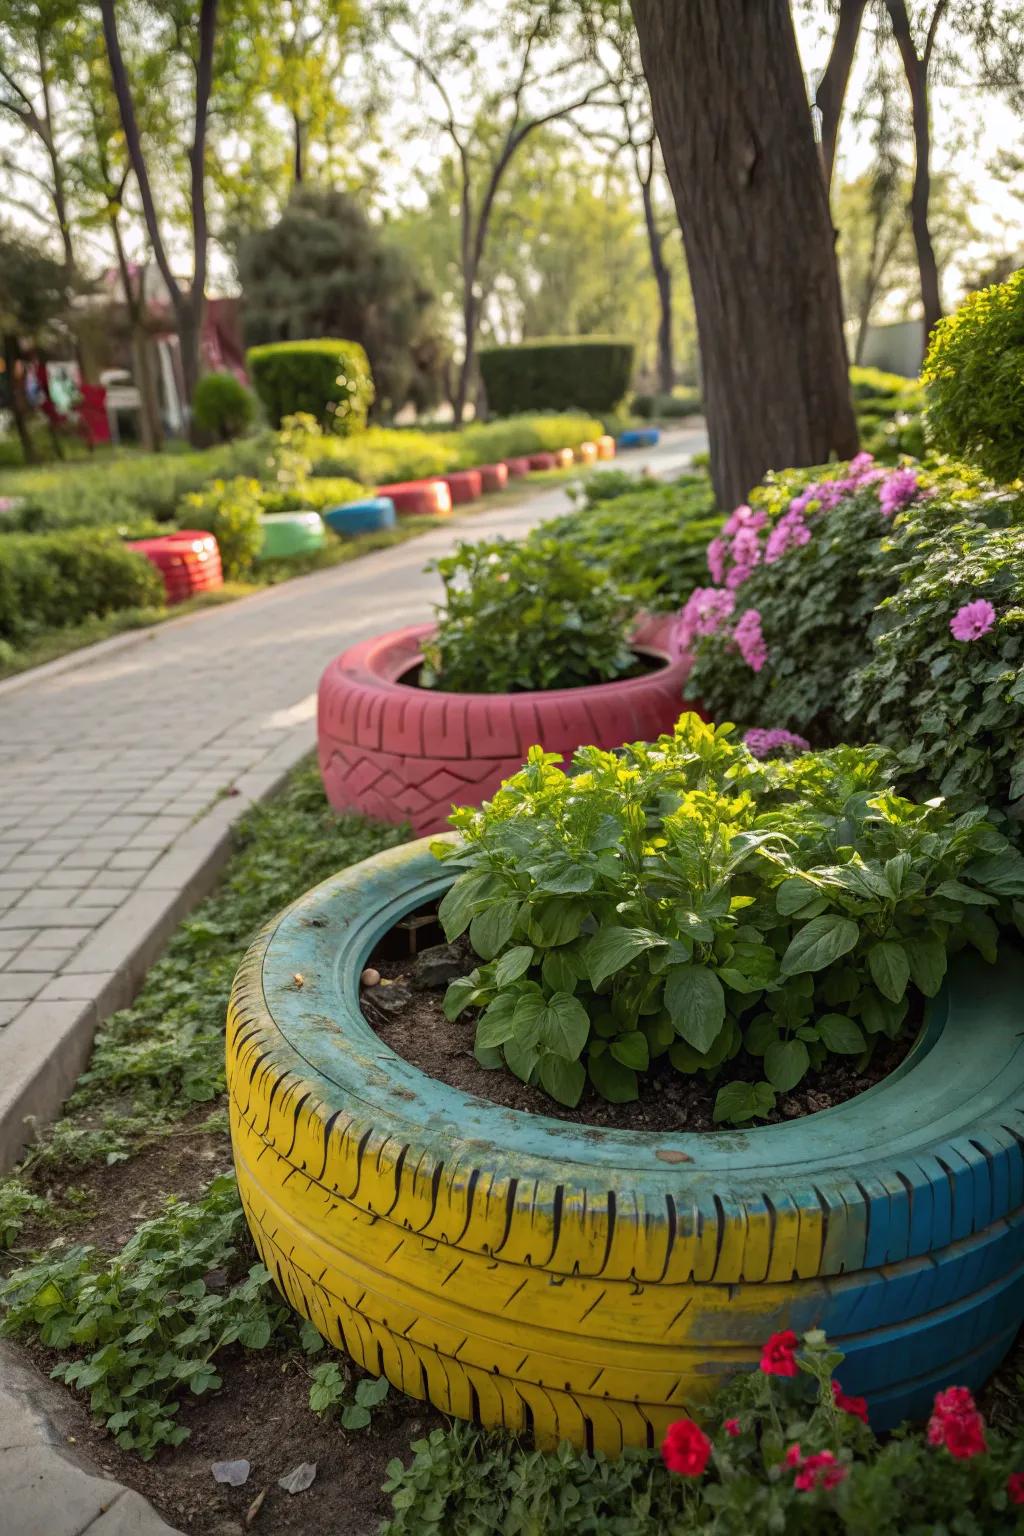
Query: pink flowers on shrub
761	743
973	620
897	491
746	553
750	640
707	609
956	1424
790	532
716	554
685	1448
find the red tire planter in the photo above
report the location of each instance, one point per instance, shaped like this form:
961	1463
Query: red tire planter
606	447
542	461
494	477
188	561
401	753
464	485
419	498
517	468
586	453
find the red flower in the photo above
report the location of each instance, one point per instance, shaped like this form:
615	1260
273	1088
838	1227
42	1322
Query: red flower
957	1424
1015	1487
732	1427
685	1448
778	1358
794	1456
857	1406
819	1471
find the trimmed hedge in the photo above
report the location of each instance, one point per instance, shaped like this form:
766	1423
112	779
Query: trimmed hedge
328	378
590	373
974	381
222	407
383	455
53	580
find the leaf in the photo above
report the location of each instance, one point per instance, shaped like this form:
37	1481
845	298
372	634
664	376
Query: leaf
564	1080
562	877
491	929
553	921
785	1063
459	900
613	948
612	1080
513	964
1002	873
565	1026
559	970
793	894
234	1473
497	1023
696	1004
760	1034
461	992
526	1019
520	1059
739	1102
818	943
299	1478
927	958
890	968
372	1390
954	890
632	1050
839	1034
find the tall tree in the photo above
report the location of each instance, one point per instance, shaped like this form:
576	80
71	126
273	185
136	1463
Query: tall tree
302	46
831	89
731	114
193	31
461	55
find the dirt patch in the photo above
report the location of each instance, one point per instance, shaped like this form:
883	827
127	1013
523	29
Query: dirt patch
412	1022
261	1414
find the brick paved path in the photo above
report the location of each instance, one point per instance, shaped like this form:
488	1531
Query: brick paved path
111	775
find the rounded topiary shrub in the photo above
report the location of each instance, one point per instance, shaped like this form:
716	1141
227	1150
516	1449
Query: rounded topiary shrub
222	407
974	379
328	378
591	373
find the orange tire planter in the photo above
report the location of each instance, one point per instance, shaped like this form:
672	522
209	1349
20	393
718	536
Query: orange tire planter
517	468
401	753
419	498
564	458
464	485
494	477
606	447
539	461
188	561
586	453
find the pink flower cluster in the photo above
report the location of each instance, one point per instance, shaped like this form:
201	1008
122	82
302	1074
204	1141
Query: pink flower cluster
733	555
897	491
973	620
790	532
707	609
750	640
762	743
957	1424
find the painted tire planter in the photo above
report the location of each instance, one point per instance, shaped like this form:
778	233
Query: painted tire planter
640	437
188	561
591	1284
354	517
517	468
564	458
493	477
288	534
586	453
606	447
465	485
401	753
418	498
541	461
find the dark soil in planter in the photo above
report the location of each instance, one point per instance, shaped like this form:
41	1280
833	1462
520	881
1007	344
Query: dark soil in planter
644	664
408	1016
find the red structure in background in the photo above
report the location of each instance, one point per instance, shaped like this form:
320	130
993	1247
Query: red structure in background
188	561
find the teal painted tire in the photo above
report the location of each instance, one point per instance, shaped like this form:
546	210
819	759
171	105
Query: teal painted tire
287	534
356	517
404	1216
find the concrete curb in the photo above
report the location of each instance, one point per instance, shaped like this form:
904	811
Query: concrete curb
49	1489
48	1046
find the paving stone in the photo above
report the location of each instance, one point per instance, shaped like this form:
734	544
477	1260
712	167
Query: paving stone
22	986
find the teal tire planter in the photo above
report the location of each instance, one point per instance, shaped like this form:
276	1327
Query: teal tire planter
639	437
369	516
287	534
596	1284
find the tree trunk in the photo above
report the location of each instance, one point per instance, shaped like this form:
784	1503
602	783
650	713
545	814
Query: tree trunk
731	116
915	68
297	165
663	278
11	358
189	325
831	90
470	319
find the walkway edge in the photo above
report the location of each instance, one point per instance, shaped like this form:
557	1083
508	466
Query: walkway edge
48	1488
48	1045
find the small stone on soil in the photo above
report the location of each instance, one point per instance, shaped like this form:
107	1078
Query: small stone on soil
436	967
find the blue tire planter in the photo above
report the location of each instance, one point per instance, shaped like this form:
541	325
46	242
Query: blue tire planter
368	516
593	1284
639	437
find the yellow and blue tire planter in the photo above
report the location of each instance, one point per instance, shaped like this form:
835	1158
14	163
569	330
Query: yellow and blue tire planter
593	1285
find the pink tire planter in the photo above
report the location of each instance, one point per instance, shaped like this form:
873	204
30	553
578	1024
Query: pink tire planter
464	485
606	447
400	753
539	461
419	498
494	477
517	468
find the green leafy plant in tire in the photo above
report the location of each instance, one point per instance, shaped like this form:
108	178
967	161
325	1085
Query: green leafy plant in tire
519	617
682	902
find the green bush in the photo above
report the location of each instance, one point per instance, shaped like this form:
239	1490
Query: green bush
974	381
383	455
519	617
486	442
652	540
590	373
890	414
328	378
222	407
685	901
50	581
751	1473
230	510
608	484
681	402
313	494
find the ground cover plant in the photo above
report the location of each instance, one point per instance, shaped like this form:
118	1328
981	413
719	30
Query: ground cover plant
51	580
526	616
685	902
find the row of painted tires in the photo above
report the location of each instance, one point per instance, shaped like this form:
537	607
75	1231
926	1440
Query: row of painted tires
592	1284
